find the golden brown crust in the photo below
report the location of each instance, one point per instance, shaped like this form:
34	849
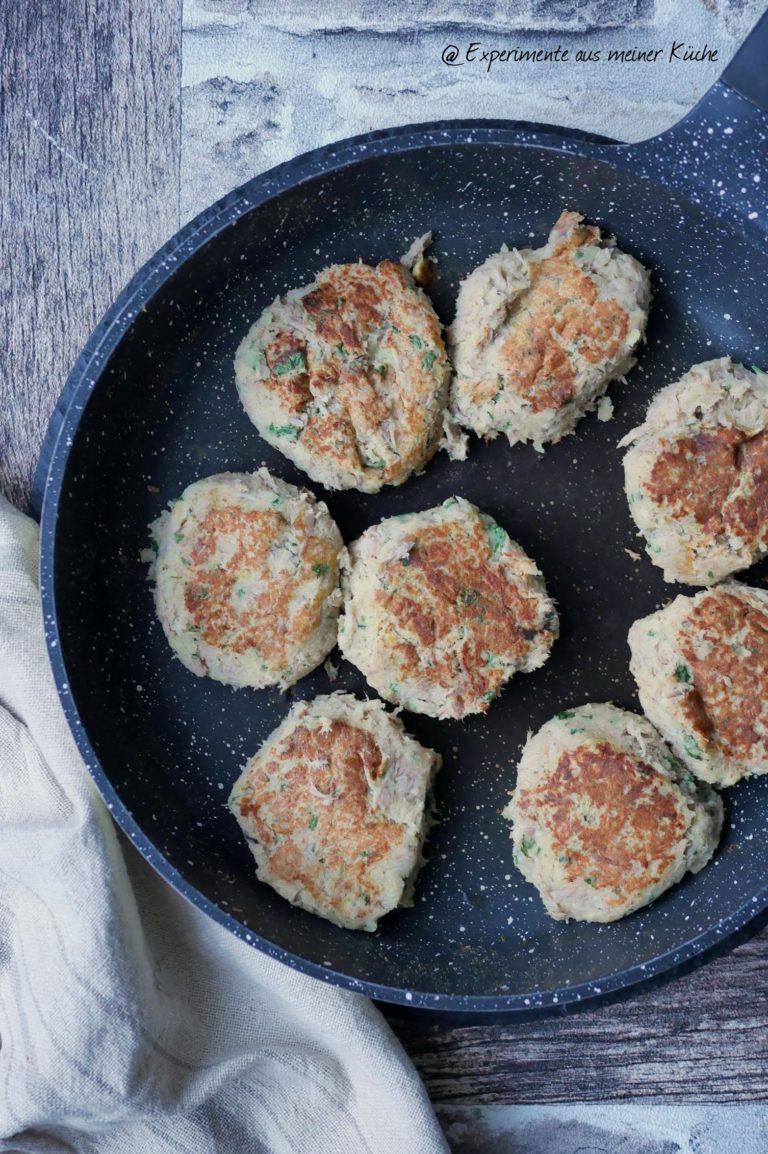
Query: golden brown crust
220	616
448	581
349	378
697	476
613	820
561	310
324	774
724	640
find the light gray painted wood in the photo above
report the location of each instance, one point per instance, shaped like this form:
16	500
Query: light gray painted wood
88	188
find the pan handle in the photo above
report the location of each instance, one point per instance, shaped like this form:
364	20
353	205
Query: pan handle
717	154
747	73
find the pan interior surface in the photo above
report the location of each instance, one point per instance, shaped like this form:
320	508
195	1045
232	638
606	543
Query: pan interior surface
165	412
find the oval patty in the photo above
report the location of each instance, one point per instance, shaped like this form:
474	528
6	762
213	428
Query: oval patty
247	579
334	809
442	608
605	818
349	376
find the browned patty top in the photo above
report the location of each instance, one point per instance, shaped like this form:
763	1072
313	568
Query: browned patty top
313	784
613	820
348	305
445	582
560	312
699	476
727	693
225	612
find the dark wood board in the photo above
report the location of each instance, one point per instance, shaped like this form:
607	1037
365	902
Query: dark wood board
699	1038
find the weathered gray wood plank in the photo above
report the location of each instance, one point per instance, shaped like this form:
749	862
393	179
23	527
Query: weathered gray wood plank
701	1038
89	176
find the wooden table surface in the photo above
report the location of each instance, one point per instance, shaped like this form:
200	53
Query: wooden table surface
89	188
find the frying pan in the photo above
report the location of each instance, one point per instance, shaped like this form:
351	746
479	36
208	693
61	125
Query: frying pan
151	405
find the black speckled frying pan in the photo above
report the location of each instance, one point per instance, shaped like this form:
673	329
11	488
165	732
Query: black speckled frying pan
151	405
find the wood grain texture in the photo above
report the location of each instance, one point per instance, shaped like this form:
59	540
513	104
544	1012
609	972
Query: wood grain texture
700	1038
89	176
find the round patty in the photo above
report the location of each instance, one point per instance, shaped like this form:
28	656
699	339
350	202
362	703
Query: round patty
696	475
539	333
701	667
247	579
349	376
605	817
334	809
441	608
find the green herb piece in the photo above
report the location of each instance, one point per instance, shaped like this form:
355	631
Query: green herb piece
342	351
590	881
154	547
415	341
526	844
683	673
428	360
320	569
564	858
564	714
405	560
364	898
468	596
288	431
178	537
292	363
312	823
497	538
691	747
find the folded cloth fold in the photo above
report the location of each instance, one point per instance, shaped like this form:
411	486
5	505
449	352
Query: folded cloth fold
129	1021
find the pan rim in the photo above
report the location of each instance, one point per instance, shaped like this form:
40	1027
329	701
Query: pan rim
80	385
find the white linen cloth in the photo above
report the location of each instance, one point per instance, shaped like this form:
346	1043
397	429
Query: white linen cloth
129	1021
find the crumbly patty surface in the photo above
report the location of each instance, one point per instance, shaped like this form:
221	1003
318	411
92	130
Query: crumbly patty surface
246	571
334	809
349	376
442	608
605	817
539	333
701	666
696	473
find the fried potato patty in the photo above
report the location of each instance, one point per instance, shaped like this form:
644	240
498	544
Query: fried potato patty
246	572
696	473
334	807
348	377
605	818
539	333
441	608
701	667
